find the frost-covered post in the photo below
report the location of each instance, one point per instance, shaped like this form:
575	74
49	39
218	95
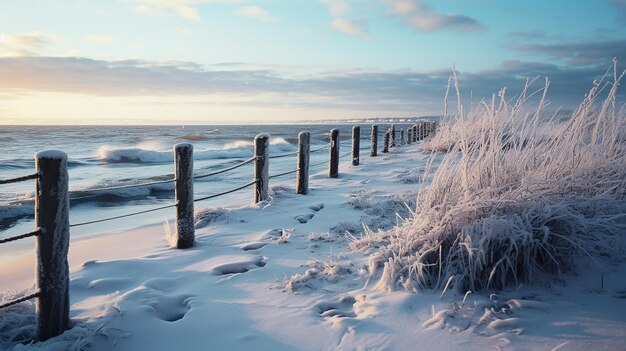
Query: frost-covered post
374	142
333	168
409	136
261	167
401	136
420	131
386	144
52	216
302	169
183	192
356	144
393	136
415	132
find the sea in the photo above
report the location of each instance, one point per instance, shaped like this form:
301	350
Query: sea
109	156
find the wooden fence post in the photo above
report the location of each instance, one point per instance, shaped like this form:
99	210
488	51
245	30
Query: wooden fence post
261	167
409	138
415	133
393	136
52	216
333	168
302	173
420	131
401	136
183	192
356	145
374	142
386	144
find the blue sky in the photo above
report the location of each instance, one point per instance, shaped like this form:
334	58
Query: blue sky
215	61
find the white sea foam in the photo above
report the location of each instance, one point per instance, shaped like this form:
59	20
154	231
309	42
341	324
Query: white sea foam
155	153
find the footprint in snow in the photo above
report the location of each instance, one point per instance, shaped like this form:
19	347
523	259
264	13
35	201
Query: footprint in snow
306	217
342	308
171	308
239	266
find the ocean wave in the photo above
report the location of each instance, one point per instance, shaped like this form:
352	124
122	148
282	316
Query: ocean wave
10	214
139	154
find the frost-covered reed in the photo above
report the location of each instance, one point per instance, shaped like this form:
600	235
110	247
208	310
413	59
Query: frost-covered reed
518	193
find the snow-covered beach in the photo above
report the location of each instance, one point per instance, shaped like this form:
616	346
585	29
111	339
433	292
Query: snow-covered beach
279	275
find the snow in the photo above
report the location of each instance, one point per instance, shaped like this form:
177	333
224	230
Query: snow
54	154
281	275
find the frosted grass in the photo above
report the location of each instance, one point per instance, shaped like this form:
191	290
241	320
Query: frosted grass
517	195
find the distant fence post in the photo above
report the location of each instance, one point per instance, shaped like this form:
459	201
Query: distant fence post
420	131
386	143
401	136
393	136
356	145
52	216
302	170
409	135
261	167
183	192
333	168
415	133
374	142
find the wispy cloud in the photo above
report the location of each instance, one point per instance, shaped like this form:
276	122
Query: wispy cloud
186	9
350	27
406	89
579	53
25	44
100	38
255	12
621	5
420	16
337	8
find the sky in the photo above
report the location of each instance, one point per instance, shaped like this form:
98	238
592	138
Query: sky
275	61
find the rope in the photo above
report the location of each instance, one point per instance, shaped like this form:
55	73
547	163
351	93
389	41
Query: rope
22	236
122	216
226	192
285	155
318	164
283	174
19	179
123	186
20	300
320	149
226	169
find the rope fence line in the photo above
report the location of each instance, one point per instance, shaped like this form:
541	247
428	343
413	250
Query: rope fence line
283	174
19	179
52	193
250	160
284	155
20	300
129	186
22	236
226	192
121	216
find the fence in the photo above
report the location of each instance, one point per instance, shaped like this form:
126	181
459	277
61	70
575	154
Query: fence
52	207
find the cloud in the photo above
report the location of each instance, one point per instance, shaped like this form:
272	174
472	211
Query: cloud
349	27
100	38
579	53
621	5
185	9
337	8
420	16
255	12
25	44
405	90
